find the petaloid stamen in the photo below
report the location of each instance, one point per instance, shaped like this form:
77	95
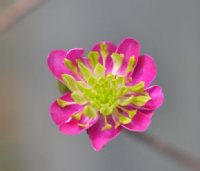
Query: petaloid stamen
70	66
93	57
131	113
85	71
77	116
130	66
63	103
123	119
104	52
117	61
107	125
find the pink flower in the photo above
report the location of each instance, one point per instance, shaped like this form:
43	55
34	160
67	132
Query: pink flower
109	90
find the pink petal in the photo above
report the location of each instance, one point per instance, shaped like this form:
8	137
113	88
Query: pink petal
157	98
72	126
86	61
140	122
100	138
56	64
111	49
145	70
74	54
60	115
129	47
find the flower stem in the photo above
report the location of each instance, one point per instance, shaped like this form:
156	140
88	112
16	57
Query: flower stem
168	150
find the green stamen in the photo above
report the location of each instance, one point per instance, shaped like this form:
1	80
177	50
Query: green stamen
85	71
141	100
104	51
117	60
131	64
138	100
78	98
99	70
70	82
77	116
139	88
70	65
93	57
63	103
131	113
90	112
123	119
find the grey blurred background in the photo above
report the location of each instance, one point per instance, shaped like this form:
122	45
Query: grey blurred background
169	30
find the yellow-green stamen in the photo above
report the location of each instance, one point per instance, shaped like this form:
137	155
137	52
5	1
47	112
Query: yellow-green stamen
93	57
70	65
104	52
117	60
131	64
63	103
107	125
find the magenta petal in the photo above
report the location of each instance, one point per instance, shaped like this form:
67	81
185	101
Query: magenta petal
60	115
72	126
145	70
100	138
129	47
140	122
74	54
157	98
111	49
56	64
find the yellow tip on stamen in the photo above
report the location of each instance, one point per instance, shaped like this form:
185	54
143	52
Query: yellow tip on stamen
104	52
129	79
107	125
90	112
131	64
63	103
117	124
83	125
77	116
131	113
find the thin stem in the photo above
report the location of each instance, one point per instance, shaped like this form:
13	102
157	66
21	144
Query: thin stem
168	150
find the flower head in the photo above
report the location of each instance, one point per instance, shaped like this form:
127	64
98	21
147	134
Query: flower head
108	90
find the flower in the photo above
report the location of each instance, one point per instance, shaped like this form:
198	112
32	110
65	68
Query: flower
108	90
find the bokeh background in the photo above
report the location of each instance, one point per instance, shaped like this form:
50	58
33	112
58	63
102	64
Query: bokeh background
168	30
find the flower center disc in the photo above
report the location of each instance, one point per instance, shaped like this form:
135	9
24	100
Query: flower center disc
103	93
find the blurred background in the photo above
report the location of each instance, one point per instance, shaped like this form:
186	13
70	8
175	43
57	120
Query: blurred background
168	30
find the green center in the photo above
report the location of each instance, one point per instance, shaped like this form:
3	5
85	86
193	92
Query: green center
104	93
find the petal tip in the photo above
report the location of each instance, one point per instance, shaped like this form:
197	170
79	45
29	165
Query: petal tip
53	54
131	39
